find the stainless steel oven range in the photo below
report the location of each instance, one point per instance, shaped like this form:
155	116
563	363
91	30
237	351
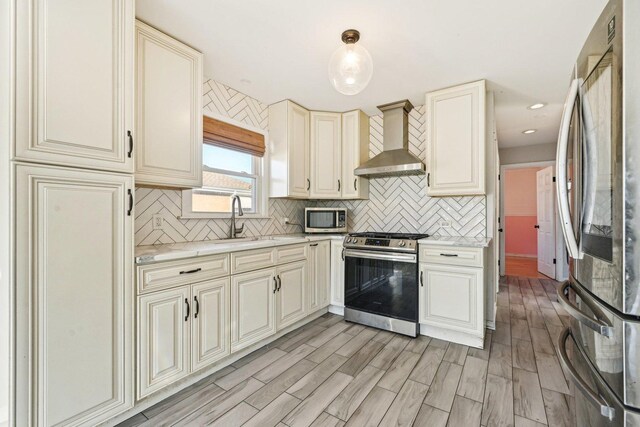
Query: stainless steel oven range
381	281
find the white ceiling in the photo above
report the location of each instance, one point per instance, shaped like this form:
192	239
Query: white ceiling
277	49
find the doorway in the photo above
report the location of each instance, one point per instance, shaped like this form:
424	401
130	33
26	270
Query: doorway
530	236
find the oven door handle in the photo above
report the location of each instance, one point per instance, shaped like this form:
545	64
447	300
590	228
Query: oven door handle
385	256
594	398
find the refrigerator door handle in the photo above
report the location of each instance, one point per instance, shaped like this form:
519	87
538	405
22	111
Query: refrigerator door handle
590	160
561	171
594	398
600	324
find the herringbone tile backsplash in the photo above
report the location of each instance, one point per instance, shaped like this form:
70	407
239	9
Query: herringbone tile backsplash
396	204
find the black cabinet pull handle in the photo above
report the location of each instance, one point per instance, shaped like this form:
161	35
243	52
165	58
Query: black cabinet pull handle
195	315
195	270
130	193
308	184
429	180
355	184
421	279
130	136
279	283
450	255
186	317
343	254
338	185
313	244
275	284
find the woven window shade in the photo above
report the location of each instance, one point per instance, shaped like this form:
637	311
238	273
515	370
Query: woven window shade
221	134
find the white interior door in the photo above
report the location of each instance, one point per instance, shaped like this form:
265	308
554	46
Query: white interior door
546	222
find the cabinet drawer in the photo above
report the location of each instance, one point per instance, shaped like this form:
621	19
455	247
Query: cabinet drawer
169	274
471	257
291	253
252	260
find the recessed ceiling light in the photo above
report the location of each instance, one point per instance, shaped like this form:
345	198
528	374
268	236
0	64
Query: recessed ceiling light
528	131
536	106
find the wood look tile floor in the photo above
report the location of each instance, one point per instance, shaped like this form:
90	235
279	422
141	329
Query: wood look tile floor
333	373
522	267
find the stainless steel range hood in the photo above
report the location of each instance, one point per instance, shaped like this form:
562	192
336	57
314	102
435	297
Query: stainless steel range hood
395	158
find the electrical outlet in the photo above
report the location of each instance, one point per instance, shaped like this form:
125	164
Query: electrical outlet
157	221
285	221
444	223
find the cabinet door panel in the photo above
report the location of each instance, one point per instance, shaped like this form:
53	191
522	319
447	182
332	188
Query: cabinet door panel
252	307
291	294
210	324
74	245
326	168
337	274
163	339
456	140
320	275
355	151
452	297
75	72
298	147
169	110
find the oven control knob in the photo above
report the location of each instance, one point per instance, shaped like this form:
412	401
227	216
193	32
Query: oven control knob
402	244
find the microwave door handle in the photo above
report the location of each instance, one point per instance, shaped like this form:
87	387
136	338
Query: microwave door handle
589	160
561	172
594	398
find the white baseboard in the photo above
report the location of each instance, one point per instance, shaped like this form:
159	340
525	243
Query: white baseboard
452	336
336	309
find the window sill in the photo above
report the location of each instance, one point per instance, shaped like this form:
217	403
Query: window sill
221	216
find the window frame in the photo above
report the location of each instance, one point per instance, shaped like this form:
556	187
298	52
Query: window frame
261	174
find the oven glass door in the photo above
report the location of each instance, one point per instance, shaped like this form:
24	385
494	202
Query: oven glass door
382	283
322	219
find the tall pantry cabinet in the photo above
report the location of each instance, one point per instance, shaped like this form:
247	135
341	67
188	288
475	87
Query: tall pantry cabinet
72	163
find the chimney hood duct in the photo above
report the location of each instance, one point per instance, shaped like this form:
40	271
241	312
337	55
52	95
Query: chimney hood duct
395	159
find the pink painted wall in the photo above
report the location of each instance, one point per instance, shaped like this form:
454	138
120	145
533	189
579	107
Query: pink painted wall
520	210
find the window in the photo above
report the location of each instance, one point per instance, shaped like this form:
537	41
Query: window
227	172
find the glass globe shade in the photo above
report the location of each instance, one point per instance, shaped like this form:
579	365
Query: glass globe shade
350	69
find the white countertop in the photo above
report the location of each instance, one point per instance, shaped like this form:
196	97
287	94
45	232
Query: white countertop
474	242
156	253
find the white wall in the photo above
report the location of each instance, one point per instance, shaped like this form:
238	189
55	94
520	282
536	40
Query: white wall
528	154
6	62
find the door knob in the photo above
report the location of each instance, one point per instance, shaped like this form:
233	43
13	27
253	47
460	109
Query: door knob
536	226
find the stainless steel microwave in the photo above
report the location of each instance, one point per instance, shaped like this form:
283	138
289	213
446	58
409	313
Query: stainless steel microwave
325	220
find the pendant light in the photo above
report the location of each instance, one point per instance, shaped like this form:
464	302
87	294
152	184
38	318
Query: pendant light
350	66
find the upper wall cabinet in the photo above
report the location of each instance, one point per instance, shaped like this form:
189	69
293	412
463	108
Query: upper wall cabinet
326	155
74	83
456	140
289	150
355	151
313	154
168	110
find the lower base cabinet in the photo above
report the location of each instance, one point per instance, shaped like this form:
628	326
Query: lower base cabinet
252	307
319	275
291	304
337	273
181	330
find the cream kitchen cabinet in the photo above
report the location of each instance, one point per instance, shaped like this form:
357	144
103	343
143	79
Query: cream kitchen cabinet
456	140
289	150
74	317
168	110
74	84
252	307
164	339
181	330
337	273
355	151
291	293
451	294
326	155
319	281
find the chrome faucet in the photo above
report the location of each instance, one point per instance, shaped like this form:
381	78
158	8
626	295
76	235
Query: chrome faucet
235	230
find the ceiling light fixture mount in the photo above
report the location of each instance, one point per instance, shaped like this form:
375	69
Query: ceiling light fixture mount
536	106
350	66
529	131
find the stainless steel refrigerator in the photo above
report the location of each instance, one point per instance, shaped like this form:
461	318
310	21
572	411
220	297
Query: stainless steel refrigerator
598	188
